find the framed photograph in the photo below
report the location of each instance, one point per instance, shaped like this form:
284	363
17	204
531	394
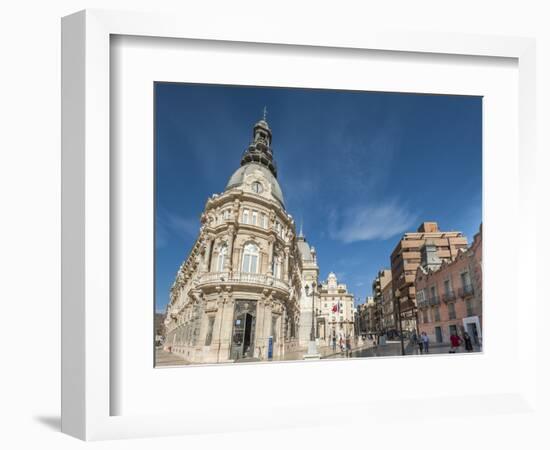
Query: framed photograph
251	218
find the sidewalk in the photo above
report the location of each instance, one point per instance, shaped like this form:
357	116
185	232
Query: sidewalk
164	358
325	351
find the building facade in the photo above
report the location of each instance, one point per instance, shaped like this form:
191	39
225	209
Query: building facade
379	286
372	315
449	296
389	312
309	302
240	292
406	258
335	314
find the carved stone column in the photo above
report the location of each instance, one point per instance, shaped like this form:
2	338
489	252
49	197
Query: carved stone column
285	270
226	327
206	262
230	240
271	241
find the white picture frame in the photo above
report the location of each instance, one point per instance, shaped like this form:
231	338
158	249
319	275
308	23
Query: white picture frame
86	246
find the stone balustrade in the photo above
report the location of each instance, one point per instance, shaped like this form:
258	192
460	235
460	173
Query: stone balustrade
242	277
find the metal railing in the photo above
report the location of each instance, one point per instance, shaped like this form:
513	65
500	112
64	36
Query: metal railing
448	297
434	300
423	303
242	277
466	290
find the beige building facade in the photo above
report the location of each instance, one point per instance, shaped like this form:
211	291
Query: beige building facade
384	308
336	311
240	292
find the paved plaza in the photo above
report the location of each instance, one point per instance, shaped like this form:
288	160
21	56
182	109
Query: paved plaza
361	349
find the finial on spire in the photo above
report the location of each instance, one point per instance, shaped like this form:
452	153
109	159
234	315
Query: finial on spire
301	227
265	113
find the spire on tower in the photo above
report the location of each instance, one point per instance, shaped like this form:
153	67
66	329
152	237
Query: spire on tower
259	150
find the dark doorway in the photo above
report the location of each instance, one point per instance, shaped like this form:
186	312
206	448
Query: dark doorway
244	324
247	334
438	335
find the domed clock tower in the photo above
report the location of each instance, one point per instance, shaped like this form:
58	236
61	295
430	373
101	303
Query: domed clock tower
237	295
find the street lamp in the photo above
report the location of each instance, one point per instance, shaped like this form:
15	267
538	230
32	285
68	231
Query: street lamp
312	346
397	296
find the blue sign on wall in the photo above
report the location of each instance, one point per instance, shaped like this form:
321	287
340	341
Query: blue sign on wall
270	347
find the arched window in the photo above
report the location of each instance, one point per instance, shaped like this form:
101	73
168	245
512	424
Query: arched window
250	258
222	254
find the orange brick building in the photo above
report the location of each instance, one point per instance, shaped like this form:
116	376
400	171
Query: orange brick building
406	258
449	293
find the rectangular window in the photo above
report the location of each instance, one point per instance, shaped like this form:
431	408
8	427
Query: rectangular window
425	316
432	292
264	220
465	278
253	264
447	285
453	329
437	317
210	330
452	312
245	216
469	308
254	217
438	335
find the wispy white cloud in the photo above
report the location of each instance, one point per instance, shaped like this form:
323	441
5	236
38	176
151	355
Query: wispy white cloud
370	222
170	224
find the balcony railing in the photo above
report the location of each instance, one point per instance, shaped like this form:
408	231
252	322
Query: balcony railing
434	300
242	277
422	303
448	297
466	291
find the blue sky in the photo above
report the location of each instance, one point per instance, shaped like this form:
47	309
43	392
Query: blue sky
358	168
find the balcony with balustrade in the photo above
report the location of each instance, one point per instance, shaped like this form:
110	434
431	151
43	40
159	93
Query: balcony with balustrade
245	279
422	303
448	296
466	291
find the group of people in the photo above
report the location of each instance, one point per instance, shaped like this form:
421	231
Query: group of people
456	341
423	342
344	343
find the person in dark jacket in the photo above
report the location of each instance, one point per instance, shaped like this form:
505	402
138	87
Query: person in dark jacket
468	343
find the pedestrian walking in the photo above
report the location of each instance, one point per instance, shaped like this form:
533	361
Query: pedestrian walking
425	342
455	342
348	345
419	342
341	344
468	342
333	343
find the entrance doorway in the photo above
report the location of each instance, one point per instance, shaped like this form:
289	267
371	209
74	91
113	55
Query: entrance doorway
438	335
472	331
244	325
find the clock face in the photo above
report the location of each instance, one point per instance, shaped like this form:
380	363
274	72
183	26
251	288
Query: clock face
257	187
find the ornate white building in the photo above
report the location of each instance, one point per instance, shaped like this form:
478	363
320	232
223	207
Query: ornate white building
240	292
336	316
